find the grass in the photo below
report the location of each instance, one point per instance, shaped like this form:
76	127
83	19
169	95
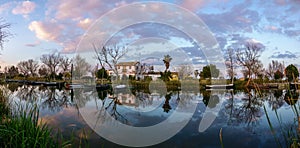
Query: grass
21	129
287	135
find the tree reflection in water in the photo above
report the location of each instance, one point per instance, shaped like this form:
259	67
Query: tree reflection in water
55	100
109	105
248	110
291	97
208	97
275	99
13	86
166	105
83	95
49	98
28	93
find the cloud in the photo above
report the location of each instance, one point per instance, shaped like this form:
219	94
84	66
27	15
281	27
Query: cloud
256	43
285	55
24	8
272	28
76	9
85	23
193	5
48	31
5	7
36	43
237	19
280	2
72	21
69	21
293	33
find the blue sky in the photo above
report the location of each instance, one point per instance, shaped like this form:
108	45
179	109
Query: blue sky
44	26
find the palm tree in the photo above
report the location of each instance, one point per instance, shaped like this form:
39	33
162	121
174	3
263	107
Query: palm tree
167	59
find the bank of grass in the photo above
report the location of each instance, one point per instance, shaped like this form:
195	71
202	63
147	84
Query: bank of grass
21	129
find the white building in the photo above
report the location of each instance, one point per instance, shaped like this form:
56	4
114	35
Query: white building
127	69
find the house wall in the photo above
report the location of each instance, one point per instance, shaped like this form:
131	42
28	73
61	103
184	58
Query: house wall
126	70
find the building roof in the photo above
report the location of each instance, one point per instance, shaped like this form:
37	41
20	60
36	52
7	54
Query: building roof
127	64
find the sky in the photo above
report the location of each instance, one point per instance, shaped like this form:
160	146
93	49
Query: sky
47	26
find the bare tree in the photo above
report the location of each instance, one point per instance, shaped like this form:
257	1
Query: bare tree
273	67
43	71
4	33
52	61
141	69
12	71
248	58
110	56
258	70
28	67
184	71
22	66
230	63
65	64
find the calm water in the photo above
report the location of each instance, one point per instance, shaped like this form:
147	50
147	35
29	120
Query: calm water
242	116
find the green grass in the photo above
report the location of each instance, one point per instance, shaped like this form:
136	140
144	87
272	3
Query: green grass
21	129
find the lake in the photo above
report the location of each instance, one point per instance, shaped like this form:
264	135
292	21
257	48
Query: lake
242	116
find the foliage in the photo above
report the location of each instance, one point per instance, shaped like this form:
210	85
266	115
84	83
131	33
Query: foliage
4	107
209	71
167	59
131	77
102	74
278	75
291	72
147	78
165	76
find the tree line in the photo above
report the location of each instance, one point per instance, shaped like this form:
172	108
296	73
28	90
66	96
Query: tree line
51	66
247	58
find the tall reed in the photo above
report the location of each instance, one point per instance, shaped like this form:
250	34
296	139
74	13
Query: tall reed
21	129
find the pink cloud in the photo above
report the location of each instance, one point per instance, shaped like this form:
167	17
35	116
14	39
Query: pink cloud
85	23
272	28
75	9
36	43
24	8
193	5
280	2
48	31
5	7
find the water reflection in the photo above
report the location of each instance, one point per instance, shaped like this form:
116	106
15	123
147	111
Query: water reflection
143	108
291	97
54	99
247	109
275	99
